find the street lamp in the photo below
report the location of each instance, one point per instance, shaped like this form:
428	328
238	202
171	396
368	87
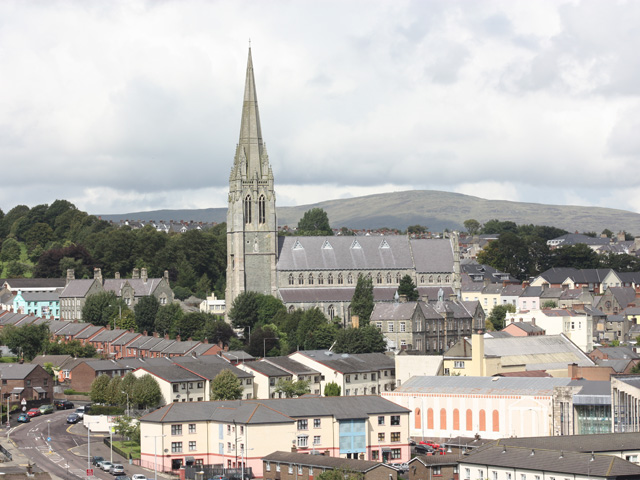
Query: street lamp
89	445
111	442
155	453
49	434
242	452
128	412
264	345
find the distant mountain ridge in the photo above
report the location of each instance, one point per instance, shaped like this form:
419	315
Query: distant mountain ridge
437	210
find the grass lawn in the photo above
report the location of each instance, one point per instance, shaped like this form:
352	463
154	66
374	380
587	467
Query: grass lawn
128	447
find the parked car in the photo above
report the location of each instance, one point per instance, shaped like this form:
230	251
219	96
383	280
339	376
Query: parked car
137	476
105	465
95	460
46	409
73	418
63	404
116	469
422	449
80	412
34	412
24	418
125	477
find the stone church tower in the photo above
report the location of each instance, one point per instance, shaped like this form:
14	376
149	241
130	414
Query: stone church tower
252	235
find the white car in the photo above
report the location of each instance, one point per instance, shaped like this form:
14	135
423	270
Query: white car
106	465
138	476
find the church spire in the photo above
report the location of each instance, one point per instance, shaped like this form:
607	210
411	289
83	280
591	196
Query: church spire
250	145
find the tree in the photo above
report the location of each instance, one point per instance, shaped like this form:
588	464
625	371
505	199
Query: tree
10	250
408	288
114	391
340	474
367	339
245	310
145	311
332	389
292	389
216	330
498	315
17	269
226	386
417	230
314	222
362	301
264	341
125	427
97	308
100	389
268	307
472	226
146	392
167	316
29	339
549	304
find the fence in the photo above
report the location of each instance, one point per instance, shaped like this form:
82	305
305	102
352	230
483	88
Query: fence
6	453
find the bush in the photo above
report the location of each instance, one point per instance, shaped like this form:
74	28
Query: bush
71	391
106	410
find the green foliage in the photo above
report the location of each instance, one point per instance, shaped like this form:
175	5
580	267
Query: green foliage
10	250
292	389
106	410
48	366
99	308
226	386
18	269
496	226
126	427
549	304
367	339
114	391
100	389
145	313
362	301
216	330
264	340
408	288
340	474
314	222
636	369
498	315
146	392
28	339
615	343
417	230
472	226
167	316
244	312
332	389
72	347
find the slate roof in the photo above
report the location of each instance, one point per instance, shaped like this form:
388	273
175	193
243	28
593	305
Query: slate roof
56	360
16	371
618	365
527	327
267	369
77	288
531	292
618	352
595	442
281	410
351	363
210	370
623	295
592	392
41	296
290	365
172	373
106	365
321	461
11	318
565	462
364	253
73	328
240	354
21	283
108	335
87	332
181	347
140	287
431	293
54	325
393	311
125	339
541	386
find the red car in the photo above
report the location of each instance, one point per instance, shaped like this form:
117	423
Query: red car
34	412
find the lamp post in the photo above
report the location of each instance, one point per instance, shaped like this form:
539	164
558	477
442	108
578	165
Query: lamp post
128	412
49	434
264	345
111	442
89	445
155	453
242	452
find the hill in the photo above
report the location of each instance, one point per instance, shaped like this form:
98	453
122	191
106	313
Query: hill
437	210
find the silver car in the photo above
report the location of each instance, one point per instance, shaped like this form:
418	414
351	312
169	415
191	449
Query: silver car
116	469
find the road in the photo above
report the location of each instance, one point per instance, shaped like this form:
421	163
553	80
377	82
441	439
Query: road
66	454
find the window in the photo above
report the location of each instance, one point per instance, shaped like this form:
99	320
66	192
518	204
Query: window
303	441
300	279
176	429
395	419
303	424
347	378
331	311
379	278
299	469
192	446
381	436
247	209
508	476
320	279
381	420
390	327
200	384
480	474
494	475
388	278
311	279
290	468
316	439
340	279
310	471
437	470
467	473
458	364
375	455
192	428
183	386
379	325
176	447
523	476
350	279
277	467
403	327
330	279
262	211
396	453
267	466
395	436
316	423
291	280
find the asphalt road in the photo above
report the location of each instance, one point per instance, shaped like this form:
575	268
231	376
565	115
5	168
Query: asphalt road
65	455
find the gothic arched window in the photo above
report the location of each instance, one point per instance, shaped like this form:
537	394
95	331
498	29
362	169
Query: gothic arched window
422	279
330	279
388	277
320	279
350	279
291	282
439	279
247	209
331	311
379	278
398	277
291	309
340	279
262	210
430	278
311	279
446	279
300	279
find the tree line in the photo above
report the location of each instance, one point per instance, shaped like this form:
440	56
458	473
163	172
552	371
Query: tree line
46	240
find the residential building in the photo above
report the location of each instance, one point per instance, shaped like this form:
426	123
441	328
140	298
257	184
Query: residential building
230	432
25	381
40	304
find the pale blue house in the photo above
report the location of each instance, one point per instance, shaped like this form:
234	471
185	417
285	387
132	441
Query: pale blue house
39	304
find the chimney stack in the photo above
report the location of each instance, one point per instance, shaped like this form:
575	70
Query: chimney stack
166	275
70	275
117	276
97	274
136	273
143	275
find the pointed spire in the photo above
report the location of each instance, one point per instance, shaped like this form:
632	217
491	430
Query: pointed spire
250	144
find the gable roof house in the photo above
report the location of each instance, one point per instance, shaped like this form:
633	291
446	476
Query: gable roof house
40	304
87	370
74	296
27	381
177	384
265	378
139	285
299	372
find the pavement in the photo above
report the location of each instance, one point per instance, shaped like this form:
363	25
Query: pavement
19	461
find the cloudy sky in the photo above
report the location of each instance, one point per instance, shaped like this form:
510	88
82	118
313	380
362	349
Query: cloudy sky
122	106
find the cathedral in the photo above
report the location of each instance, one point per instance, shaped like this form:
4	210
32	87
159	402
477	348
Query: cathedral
305	271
